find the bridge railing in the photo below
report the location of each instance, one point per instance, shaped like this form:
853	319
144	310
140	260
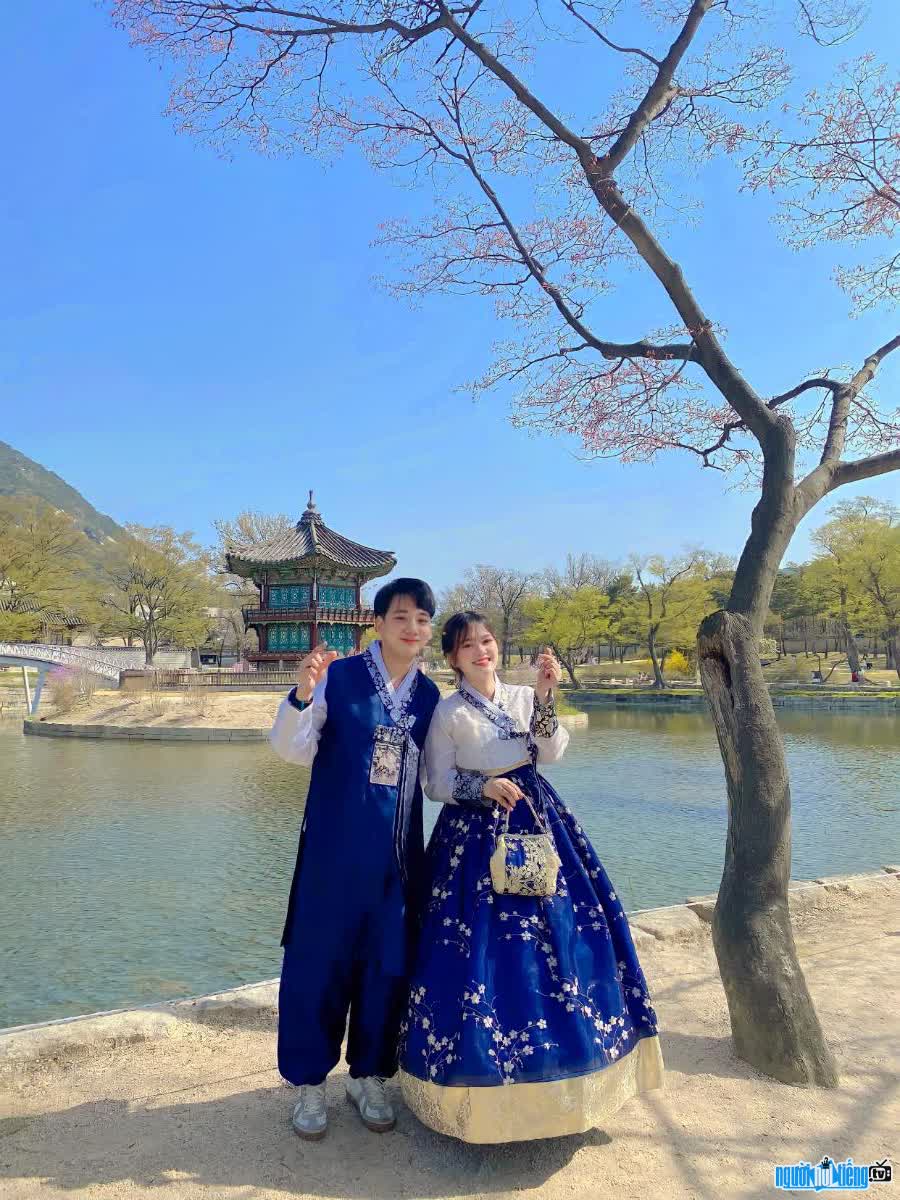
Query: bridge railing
79	657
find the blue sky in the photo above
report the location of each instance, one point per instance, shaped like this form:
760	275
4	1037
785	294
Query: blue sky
183	336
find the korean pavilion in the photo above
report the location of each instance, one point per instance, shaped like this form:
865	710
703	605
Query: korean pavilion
310	581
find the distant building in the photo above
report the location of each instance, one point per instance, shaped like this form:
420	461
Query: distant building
60	628
310	582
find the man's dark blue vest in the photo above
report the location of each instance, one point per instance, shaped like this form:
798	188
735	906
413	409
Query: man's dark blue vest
360	862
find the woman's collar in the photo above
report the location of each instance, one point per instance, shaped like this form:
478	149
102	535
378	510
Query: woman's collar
501	693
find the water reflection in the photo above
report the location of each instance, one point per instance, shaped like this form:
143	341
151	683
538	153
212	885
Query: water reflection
134	872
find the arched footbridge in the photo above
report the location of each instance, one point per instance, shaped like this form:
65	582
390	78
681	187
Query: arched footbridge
34	655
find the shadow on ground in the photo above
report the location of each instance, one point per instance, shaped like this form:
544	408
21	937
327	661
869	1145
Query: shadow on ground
245	1140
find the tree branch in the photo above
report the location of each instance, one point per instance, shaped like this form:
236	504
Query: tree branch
686	352
572	8
715	362
822	382
864	468
515	85
660	91
872	363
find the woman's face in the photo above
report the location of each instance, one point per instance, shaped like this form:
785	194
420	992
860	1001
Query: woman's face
477	652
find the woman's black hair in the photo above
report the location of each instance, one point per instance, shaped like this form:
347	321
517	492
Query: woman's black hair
417	590
457	627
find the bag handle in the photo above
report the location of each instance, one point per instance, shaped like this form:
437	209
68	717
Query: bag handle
541	826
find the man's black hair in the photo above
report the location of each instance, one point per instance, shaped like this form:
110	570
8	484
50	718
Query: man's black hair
417	590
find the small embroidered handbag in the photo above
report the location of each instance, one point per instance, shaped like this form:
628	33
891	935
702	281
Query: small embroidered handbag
525	864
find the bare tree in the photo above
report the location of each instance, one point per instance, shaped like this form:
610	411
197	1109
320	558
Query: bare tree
583	570
249	528
541	205
498	592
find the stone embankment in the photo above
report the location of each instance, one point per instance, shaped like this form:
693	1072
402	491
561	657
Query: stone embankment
143	733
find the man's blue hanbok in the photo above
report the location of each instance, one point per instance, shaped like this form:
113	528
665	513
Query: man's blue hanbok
528	1017
354	899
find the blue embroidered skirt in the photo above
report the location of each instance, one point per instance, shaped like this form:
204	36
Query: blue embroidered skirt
528	1017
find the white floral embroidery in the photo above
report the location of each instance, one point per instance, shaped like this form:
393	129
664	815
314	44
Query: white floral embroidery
544	721
469	788
511	1047
438	1052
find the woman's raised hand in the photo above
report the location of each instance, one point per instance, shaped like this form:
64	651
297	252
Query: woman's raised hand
312	669
549	674
503	791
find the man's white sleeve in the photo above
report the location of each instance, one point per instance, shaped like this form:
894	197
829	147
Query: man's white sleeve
295	735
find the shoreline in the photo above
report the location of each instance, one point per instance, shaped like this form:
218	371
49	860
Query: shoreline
225	718
185	733
145	733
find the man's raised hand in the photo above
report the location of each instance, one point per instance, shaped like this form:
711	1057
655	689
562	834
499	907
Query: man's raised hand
312	670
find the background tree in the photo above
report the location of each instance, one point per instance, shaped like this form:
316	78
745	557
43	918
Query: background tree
832	575
788	603
499	593
43	559
873	561
671	598
158	589
541	200
583	570
249	528
571	621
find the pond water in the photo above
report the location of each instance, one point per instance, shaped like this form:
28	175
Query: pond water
135	872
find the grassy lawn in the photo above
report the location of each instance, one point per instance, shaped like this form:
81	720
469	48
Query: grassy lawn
795	668
11	677
610	673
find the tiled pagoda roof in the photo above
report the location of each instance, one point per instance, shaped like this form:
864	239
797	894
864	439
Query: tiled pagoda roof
65	617
311	541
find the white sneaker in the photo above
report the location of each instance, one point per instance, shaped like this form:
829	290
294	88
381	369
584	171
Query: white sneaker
368	1094
310	1119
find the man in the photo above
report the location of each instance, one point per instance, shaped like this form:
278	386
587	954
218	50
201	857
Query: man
360	723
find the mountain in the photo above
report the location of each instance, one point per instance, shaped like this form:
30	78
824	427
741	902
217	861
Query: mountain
22	476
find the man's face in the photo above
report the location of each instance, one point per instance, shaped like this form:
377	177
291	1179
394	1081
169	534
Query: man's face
405	629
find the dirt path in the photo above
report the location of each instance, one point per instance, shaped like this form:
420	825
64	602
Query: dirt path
203	1115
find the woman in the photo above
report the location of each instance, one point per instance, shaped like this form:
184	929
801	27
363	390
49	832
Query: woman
544	993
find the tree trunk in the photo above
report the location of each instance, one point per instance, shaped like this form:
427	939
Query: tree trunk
893	642
849	639
569	665
658	679
150	641
773	1021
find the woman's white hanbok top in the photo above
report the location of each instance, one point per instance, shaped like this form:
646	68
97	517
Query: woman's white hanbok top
464	746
